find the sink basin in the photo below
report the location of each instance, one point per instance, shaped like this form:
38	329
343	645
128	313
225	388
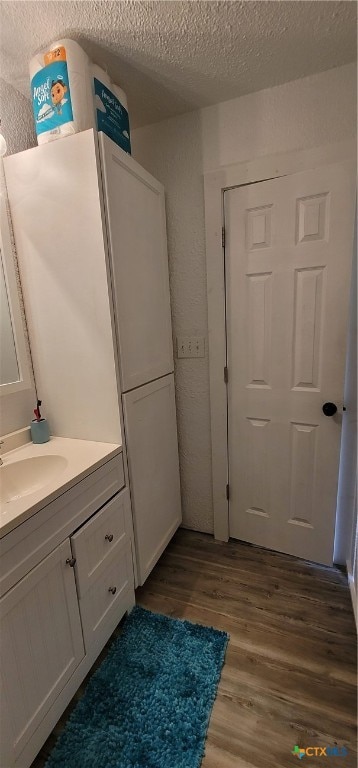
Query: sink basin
26	476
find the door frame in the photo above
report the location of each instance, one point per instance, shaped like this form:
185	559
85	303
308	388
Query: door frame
215	184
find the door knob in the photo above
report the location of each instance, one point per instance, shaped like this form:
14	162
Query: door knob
329	409
71	561
113	590
109	537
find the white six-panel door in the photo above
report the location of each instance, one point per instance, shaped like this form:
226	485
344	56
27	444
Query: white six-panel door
139	263
288	263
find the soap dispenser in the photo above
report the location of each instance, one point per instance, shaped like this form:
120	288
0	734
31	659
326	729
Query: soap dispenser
40	432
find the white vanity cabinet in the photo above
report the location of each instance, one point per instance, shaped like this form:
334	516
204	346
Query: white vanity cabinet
66	576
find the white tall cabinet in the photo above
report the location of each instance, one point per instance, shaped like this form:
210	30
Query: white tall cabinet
90	233
135	211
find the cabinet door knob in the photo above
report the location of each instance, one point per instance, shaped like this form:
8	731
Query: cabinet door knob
109	537
113	590
71	561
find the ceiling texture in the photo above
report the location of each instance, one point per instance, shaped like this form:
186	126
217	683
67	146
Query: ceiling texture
172	56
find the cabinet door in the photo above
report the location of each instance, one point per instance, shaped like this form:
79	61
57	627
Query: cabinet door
150	421
41	645
139	263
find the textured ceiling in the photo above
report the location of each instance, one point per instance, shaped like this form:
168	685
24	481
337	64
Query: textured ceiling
172	57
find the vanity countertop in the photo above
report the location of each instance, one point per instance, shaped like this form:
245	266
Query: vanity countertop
38	474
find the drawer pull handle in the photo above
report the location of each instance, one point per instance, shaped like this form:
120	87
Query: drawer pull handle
113	590
109	537
71	561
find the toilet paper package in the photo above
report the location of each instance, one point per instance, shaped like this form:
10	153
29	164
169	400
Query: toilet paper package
111	109
70	94
61	91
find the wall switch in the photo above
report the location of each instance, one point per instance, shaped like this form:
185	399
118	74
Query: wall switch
191	346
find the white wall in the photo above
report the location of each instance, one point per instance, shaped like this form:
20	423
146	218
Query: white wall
316	110
17	124
313	111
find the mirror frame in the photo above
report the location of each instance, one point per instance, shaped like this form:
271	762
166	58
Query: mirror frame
7	256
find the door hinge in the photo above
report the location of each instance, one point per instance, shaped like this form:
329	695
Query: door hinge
226	374
228	491
223	237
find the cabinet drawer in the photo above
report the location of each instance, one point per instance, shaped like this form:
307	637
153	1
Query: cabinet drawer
95	542
27	545
110	596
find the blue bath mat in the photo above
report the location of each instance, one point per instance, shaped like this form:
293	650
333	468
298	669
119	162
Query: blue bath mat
149	703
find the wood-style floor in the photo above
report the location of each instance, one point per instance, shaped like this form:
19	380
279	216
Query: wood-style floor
290	669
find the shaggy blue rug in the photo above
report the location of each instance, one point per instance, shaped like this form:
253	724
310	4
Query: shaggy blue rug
149	703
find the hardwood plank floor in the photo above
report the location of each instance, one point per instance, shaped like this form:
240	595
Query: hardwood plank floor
290	669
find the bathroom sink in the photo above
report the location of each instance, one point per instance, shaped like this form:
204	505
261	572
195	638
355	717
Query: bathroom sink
26	476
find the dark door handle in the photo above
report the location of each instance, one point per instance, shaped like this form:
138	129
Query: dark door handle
71	561
329	409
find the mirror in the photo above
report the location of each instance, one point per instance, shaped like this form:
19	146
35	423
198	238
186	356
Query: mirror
9	367
14	362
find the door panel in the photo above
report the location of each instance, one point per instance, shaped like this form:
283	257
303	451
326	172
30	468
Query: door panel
288	262
150	422
137	234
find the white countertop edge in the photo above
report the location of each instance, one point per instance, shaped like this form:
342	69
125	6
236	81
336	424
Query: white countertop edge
17	518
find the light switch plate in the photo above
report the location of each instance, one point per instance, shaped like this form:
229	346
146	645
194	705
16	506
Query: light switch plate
190	346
